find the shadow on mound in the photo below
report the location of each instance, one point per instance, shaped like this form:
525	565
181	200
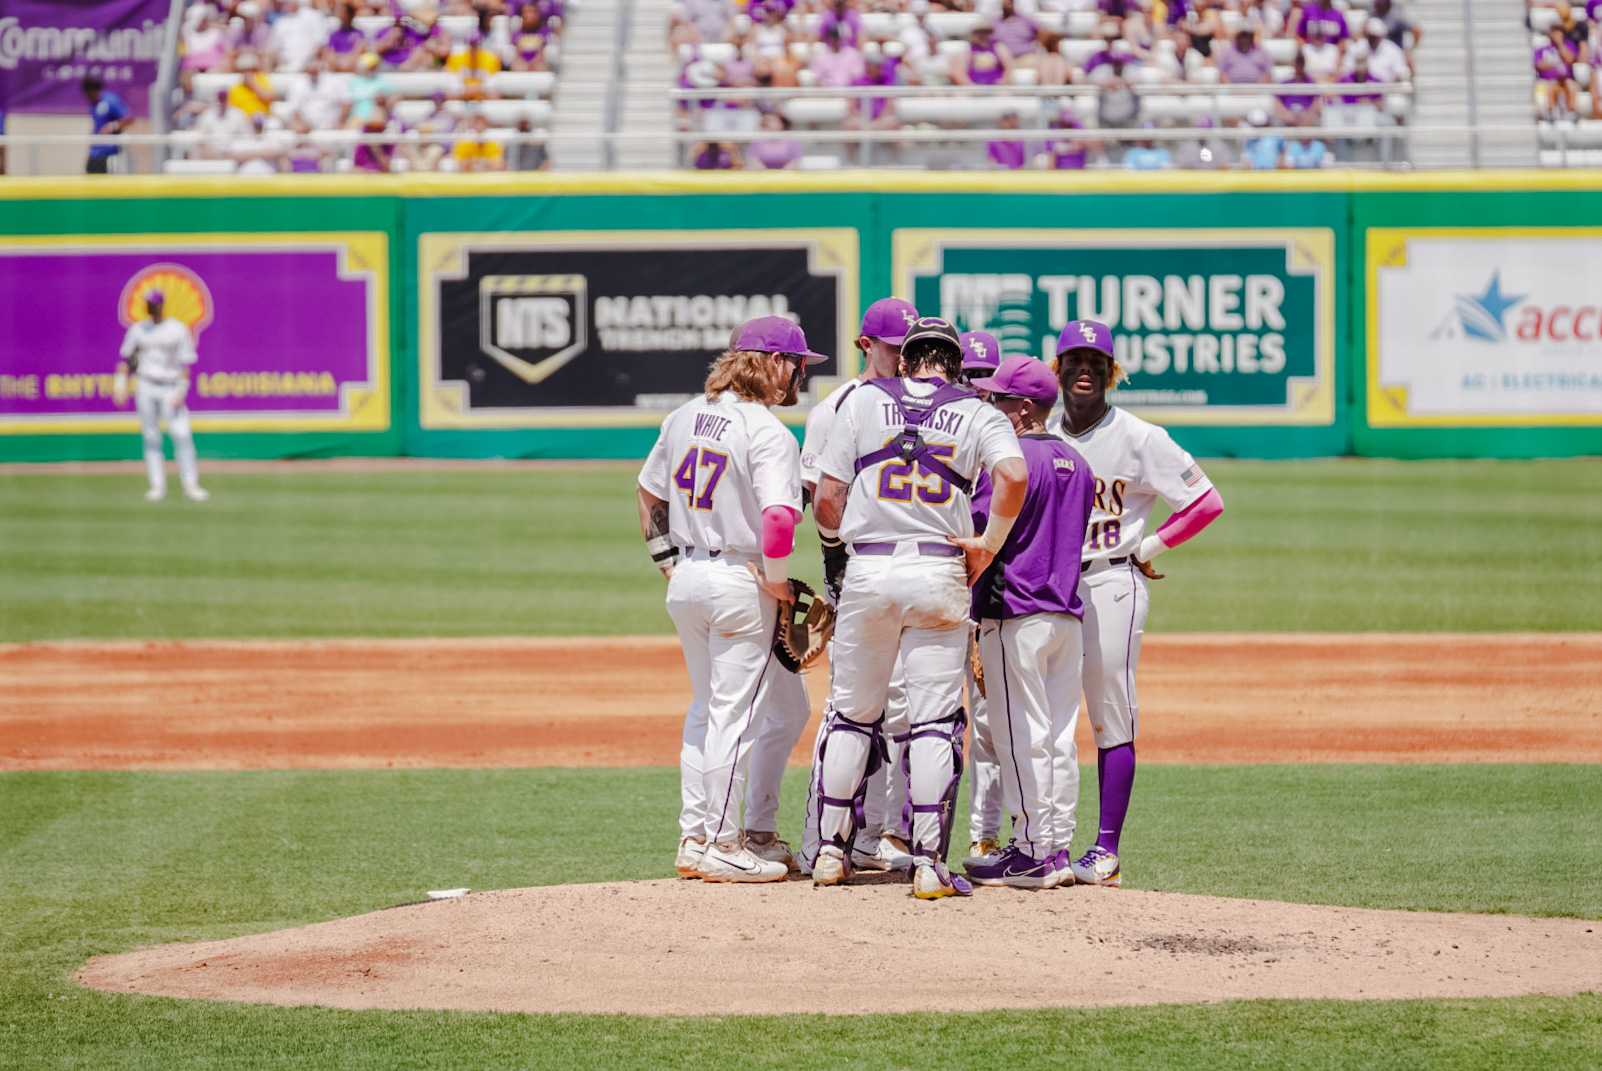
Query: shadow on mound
688	948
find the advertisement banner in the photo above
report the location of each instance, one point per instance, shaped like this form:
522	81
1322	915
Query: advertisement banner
557	329
291	330
1498	327
47	47
1211	326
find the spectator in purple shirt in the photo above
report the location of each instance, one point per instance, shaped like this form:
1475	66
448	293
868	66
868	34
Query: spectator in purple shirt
1359	76
1328	16
1016	33
875	113
842	18
777	151
1008	153
715	156
1245	62
1554	71
1031	633
1067	152
1299	109
346	43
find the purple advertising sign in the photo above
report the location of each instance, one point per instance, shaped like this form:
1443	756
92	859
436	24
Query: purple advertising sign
289	336
47	47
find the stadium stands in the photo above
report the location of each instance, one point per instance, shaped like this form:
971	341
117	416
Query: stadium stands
339	85
1184	72
1565	41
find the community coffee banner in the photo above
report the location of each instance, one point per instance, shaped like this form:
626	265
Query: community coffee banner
47	47
529	330
1210	327
1484	327
291	332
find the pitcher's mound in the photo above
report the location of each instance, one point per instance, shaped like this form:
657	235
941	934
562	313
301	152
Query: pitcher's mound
688	948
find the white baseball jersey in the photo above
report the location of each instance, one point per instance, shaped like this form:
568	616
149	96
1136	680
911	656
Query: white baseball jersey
895	500
719	463
1134	462
819	422
163	349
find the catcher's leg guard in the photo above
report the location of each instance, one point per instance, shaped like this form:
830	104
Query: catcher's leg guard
934	761
842	775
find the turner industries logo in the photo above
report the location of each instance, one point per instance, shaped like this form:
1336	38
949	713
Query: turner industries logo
1496	316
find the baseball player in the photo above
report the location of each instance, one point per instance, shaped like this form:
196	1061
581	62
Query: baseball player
882	843
981	354
1030	634
719	498
894	487
1135	463
159	352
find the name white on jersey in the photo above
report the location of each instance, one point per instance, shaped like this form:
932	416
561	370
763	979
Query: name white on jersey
163	350
893	500
719	463
1135	462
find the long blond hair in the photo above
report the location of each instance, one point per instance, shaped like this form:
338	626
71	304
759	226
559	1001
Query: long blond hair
746	373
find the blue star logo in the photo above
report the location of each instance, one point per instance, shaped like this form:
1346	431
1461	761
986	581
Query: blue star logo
1482	315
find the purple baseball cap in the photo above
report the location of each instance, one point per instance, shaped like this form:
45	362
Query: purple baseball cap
1022	377
155	297
775	334
889	319
980	350
1086	334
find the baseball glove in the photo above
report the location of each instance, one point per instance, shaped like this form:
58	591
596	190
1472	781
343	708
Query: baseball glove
976	663
804	628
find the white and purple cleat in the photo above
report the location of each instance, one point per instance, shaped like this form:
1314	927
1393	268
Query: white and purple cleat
1098	866
1012	867
931	880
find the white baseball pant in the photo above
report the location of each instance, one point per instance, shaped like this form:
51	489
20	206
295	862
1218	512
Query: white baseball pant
783	710
1116	603
1032	675
725	626
157	403
913	608
984	816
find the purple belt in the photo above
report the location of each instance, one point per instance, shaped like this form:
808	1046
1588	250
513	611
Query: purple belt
928	550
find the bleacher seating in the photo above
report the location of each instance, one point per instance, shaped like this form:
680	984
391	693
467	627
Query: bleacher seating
319	75
1101	47
1565	40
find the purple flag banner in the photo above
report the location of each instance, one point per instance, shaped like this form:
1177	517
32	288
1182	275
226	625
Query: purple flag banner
48	46
289	336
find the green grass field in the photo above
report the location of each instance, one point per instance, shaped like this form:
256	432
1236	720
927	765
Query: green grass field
93	863
1331	546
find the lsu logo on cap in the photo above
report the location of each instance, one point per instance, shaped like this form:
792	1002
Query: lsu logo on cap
979	349
1088	332
188	301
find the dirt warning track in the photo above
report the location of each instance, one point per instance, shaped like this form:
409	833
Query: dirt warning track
619	702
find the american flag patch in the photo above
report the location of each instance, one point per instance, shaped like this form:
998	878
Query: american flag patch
1192	476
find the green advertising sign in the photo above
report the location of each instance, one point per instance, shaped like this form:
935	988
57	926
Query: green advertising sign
1211	326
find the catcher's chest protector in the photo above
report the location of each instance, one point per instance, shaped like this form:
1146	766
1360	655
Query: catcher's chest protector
909	446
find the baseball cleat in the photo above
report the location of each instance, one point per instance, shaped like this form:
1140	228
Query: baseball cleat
872	859
768	846
830	868
980	852
1063	865
689	857
896	851
196	493
1098	867
1016	868
932	881
155	494
732	863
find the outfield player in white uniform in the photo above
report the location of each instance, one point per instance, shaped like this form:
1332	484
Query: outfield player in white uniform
1135	463
159	352
882	842
895	482
719	497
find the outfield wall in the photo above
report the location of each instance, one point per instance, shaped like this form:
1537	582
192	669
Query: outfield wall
558	316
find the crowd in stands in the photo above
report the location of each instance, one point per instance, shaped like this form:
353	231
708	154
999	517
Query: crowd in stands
289	85
1566	42
1123	64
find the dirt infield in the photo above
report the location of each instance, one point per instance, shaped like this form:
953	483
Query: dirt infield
618	702
791	948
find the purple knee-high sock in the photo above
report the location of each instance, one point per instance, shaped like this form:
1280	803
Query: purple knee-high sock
1115	777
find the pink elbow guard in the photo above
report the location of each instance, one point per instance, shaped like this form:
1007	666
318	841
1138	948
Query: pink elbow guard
1192	519
778	531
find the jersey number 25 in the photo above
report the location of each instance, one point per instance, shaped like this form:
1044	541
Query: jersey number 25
897	483
685	476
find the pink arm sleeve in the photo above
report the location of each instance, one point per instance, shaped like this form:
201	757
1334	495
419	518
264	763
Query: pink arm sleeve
778	531
1192	519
